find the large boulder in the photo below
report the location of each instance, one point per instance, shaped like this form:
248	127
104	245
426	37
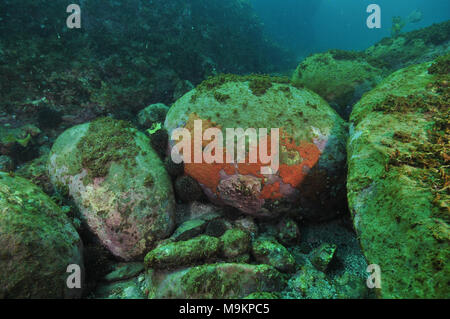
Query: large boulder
398	180
118	183
340	77
37	243
311	145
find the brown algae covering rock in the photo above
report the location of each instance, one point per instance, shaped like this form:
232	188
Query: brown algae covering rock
398	185
37	243
118	183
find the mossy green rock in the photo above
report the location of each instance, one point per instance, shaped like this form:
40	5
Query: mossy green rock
398	182
236	242
218	281
135	288
322	256
310	283
311	145
118	183
339	78
183	253
272	253
37	243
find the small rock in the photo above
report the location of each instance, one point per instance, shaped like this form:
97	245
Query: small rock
288	232
236	242
183	253
272	253
322	256
351	287
310	283
247	224
124	271
152	114
189	229
130	289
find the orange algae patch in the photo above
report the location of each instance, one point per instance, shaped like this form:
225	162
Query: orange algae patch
206	174
294	174
271	191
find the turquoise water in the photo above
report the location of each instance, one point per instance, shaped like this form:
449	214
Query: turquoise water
317	25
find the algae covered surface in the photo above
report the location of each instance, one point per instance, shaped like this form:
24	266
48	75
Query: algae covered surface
398	180
224	149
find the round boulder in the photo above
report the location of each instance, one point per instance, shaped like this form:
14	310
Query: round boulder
118	182
307	168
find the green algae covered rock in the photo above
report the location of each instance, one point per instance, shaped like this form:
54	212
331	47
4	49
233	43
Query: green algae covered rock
310	283
37	243
272	253
219	281
118	183
311	145
134	288
236	242
411	48
398	180
340	77
322	256
183	253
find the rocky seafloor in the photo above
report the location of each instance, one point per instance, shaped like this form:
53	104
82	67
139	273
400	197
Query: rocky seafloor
87	177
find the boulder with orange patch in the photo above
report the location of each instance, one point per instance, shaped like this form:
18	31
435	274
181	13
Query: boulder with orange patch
311	146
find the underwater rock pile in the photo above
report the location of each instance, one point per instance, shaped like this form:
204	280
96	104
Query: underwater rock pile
118	183
312	148
78	185
398	186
